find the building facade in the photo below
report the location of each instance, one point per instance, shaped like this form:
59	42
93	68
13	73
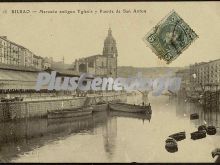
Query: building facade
10	52
14	54
46	63
205	74
184	74
37	62
100	65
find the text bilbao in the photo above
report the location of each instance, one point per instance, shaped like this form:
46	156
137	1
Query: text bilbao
97	83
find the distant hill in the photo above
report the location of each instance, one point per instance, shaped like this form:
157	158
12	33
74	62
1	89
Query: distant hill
151	72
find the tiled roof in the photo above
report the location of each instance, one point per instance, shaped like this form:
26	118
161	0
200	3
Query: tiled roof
12	75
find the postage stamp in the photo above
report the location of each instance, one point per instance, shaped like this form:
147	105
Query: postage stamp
170	37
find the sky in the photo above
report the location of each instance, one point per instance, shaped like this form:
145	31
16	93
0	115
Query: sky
74	36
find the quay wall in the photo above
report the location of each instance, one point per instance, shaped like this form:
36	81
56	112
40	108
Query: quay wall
39	108
210	100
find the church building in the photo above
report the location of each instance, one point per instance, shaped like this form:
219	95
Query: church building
104	65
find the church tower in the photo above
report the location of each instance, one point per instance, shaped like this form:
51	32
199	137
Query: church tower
111	54
110	48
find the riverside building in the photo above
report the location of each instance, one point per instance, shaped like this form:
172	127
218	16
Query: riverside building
205	74
14	54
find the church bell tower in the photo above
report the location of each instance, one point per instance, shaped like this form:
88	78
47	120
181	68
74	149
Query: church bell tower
111	54
110	48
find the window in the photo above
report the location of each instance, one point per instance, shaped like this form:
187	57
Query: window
91	64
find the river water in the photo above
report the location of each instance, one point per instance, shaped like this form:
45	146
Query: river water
111	136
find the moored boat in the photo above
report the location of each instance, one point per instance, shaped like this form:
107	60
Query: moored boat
65	113
211	130
131	108
171	145
216	152
202	127
178	136
102	106
198	135
130	115
194	116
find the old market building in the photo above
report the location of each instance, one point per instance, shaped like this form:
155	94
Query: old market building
20	80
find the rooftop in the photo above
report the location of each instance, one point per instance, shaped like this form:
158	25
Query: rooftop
22	47
18	68
203	63
5	38
63	72
93	56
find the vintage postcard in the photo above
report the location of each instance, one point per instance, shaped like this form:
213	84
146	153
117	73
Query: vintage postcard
106	82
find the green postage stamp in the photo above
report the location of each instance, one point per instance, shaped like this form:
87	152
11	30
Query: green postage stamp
170	37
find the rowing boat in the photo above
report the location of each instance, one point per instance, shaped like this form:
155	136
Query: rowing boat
130	115
198	135
211	130
171	145
65	113
194	116
131	108
179	136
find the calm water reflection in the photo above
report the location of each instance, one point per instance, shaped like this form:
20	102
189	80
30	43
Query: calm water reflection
110	137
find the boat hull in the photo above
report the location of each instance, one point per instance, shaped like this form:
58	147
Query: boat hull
171	145
202	128
68	113
211	130
178	136
99	107
216	152
130	108
198	135
172	148
194	116
130	115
